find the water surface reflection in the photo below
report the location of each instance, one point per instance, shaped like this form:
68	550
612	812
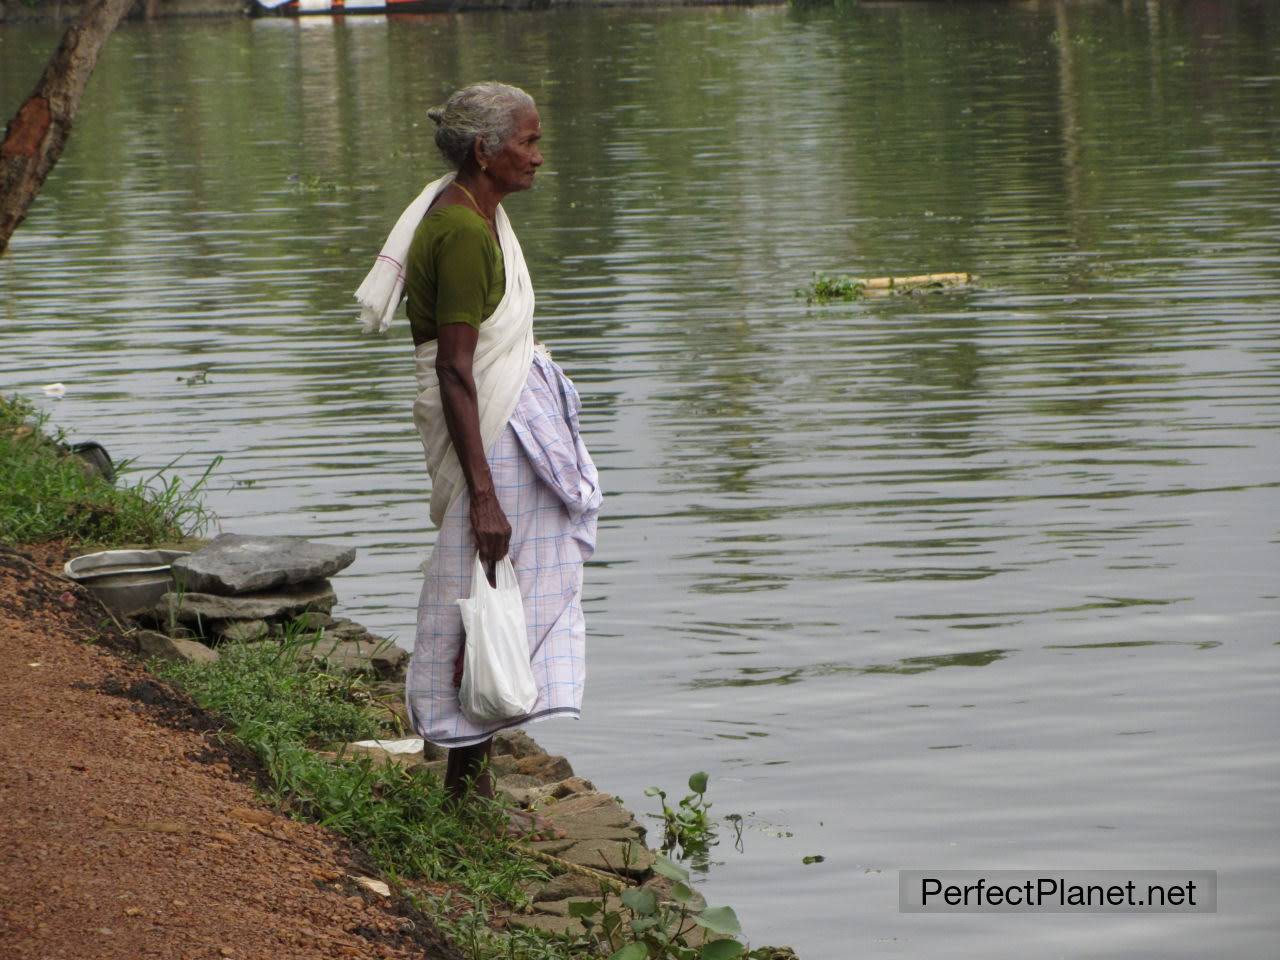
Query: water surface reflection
812	508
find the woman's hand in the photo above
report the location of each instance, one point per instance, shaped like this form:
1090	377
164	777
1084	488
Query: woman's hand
491	529
493	536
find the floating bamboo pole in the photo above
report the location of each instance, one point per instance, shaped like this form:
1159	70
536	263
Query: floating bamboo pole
921	280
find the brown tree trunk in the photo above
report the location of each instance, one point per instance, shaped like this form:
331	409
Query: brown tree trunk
34	139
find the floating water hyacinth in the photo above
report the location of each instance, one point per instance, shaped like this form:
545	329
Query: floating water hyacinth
826	288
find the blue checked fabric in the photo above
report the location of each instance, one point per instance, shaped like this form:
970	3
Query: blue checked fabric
550	491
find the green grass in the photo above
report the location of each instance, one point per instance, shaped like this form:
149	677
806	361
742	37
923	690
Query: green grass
46	493
283	708
268	685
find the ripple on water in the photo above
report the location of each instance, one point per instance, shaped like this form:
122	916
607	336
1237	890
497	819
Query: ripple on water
975	578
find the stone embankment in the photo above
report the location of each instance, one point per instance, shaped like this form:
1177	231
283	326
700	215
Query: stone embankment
275	590
246	589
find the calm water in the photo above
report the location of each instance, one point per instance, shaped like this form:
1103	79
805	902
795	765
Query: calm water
986	579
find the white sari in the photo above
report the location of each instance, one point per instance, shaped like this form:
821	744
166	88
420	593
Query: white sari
503	354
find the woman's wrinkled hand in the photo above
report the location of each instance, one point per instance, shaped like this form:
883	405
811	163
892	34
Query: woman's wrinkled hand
492	531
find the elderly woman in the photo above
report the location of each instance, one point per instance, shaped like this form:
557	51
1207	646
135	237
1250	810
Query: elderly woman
498	420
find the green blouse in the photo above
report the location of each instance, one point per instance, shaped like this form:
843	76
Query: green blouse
454	273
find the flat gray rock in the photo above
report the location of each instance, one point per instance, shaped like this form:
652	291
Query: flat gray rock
153	644
516	743
564	886
195	607
547	923
242	631
545	767
235	563
661	887
382	657
627	859
596	817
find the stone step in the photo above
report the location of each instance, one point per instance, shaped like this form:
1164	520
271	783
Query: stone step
232	563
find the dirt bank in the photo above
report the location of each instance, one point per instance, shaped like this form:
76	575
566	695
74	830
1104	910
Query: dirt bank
129	832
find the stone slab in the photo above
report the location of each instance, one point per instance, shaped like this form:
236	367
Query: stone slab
661	887
553	847
582	802
545	768
553	917
153	644
242	631
515	743
234	563
514	785
194	607
538	795
314	620
592	828
502	766
344	629
384	658
564	886
560	908
628	860
547	923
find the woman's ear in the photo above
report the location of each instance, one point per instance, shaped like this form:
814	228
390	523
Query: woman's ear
478	154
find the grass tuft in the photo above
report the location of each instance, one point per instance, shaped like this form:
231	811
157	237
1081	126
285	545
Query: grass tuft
47	493
284	707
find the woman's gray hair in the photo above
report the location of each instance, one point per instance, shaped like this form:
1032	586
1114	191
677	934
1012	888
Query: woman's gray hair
483	111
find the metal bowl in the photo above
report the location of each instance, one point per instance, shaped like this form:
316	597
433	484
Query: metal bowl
127	581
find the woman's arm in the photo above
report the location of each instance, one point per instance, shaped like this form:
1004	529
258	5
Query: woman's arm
457	349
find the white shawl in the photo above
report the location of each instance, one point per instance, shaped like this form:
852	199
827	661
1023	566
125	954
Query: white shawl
503	354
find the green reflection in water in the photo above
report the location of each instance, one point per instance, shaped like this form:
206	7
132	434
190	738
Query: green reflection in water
1102	603
1122	644
766	676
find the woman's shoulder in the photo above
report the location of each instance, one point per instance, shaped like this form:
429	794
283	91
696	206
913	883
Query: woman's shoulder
454	218
455	228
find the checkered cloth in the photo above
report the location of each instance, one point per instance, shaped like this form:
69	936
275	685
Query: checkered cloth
550	492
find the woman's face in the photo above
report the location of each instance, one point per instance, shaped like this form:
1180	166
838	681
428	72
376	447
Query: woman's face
512	168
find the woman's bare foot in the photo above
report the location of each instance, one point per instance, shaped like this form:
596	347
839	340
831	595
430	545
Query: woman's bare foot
527	825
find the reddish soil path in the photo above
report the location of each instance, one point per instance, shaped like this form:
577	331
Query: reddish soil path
127	833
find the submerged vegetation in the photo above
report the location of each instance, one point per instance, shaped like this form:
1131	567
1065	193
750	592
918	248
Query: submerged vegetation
48	493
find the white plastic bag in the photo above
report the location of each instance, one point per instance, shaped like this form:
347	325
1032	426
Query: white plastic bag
497	680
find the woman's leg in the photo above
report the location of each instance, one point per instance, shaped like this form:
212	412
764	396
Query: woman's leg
467	768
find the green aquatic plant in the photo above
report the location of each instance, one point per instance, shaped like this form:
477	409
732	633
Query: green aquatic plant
638	925
824	289
688	825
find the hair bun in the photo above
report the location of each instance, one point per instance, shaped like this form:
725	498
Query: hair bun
436	114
